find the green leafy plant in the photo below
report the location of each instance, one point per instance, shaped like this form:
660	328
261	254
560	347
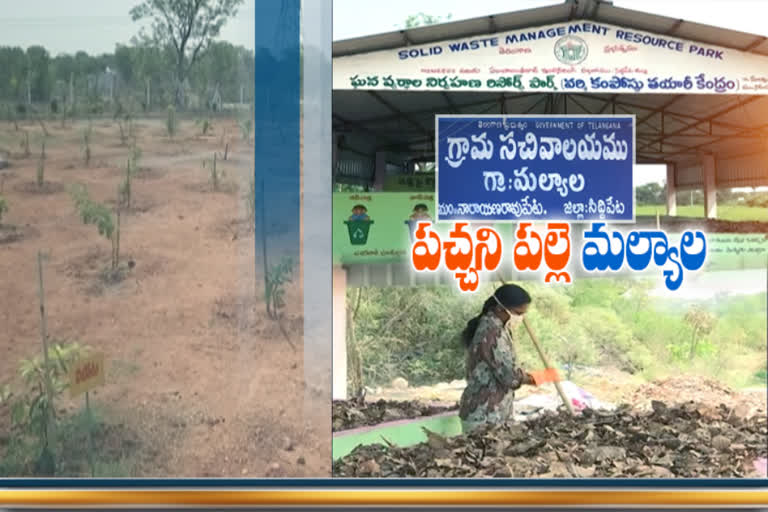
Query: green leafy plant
99	215
33	407
246	126
3	208
205	126
170	122
274	295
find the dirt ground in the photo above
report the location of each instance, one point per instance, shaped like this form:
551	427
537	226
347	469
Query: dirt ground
608	385
200	383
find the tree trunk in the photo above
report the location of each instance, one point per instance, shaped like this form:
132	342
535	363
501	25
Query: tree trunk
356	383
180	77
694	340
71	90
149	94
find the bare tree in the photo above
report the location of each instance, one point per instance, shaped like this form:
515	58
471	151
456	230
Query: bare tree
188	26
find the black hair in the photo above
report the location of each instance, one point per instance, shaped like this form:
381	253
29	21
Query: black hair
359	206
420	207
510	295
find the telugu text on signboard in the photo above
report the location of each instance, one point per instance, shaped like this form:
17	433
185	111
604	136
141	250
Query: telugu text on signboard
86	374
572	57
535	168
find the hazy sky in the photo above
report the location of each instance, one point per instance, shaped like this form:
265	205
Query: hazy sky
353	18
66	26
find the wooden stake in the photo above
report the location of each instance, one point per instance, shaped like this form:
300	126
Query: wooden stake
117	246
547	364
544	360
90	436
50	429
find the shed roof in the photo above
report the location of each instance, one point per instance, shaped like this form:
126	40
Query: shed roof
593	10
670	127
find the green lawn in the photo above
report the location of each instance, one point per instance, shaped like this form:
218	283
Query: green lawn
724	212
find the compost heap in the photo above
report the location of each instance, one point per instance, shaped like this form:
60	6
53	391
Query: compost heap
348	414
681	389
686	441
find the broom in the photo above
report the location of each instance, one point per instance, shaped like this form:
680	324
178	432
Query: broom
545	360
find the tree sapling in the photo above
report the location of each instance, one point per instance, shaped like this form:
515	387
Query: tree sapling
41	168
3	208
279	275
215	177
205	126
99	215
87	145
246	125
124	189
25	144
170	122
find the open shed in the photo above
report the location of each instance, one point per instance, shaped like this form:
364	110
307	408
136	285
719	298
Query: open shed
708	137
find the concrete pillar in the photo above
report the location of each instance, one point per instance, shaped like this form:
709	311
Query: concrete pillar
380	171
334	157
339	333
671	191
710	189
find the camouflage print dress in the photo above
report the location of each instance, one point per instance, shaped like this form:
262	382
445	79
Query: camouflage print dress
492	376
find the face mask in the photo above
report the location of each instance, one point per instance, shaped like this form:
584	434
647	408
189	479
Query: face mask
513	319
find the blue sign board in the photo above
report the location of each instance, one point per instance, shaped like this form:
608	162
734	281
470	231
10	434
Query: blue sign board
535	168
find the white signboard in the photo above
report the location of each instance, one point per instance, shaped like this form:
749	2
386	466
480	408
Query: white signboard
569	57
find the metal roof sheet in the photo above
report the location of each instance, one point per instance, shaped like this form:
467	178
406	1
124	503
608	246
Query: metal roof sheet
593	10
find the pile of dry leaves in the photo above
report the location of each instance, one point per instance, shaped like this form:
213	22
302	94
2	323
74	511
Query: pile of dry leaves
666	442
348	414
707	392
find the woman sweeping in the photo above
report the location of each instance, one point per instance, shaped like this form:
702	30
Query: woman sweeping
492	371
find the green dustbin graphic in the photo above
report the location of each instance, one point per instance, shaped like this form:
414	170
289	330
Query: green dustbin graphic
358	231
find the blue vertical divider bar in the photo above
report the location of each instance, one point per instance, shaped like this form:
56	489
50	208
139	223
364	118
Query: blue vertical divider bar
276	130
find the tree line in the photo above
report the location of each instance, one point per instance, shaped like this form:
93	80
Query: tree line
179	61
141	73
